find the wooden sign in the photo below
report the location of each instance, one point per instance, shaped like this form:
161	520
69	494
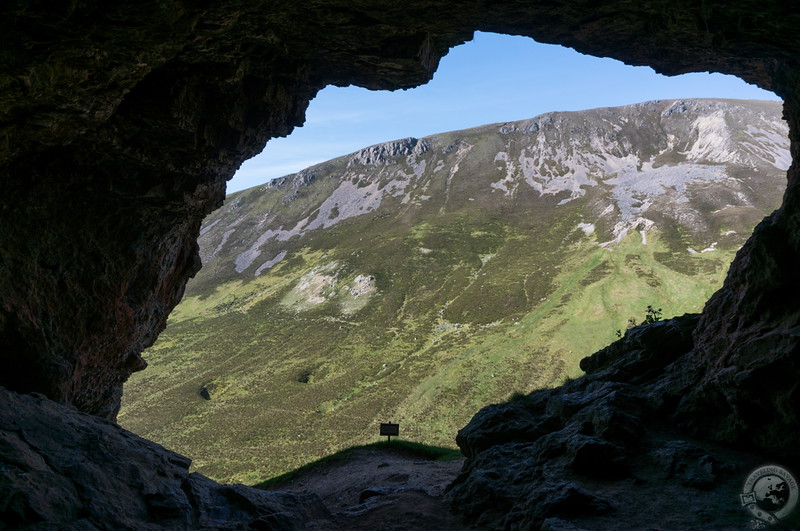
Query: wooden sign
389	429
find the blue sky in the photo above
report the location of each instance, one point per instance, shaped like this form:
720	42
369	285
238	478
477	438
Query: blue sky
493	78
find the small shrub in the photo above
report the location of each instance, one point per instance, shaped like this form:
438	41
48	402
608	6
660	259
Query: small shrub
651	315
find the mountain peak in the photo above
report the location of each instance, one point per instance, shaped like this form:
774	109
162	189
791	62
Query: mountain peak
385	153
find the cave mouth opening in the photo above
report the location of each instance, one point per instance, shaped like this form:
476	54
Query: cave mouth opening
256	432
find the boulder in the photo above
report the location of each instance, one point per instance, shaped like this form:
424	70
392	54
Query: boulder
60	468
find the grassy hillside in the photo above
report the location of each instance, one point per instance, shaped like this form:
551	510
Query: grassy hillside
418	281
305	384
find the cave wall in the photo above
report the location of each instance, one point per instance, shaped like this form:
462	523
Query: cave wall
119	126
740	385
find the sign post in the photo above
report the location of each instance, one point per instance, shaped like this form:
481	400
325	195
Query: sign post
389	429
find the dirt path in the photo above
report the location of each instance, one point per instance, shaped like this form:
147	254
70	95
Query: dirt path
380	489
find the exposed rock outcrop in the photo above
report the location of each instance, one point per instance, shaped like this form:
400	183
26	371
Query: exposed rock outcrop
604	451
383	153
60	467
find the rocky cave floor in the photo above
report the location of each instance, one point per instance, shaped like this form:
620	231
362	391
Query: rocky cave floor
379	489
676	484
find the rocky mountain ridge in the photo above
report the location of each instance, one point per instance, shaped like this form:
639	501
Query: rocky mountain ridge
632	152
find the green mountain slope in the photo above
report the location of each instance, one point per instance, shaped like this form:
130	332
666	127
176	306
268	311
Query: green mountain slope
419	280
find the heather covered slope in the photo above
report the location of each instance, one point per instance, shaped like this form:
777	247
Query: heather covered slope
422	279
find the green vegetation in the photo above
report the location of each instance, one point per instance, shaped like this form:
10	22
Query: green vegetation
651	315
253	371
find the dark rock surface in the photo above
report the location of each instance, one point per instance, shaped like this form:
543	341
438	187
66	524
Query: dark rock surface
119	125
60	468
378	487
614	457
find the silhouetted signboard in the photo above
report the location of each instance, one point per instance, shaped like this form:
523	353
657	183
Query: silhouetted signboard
389	429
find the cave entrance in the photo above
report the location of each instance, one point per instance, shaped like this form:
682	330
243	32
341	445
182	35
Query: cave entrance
315	317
